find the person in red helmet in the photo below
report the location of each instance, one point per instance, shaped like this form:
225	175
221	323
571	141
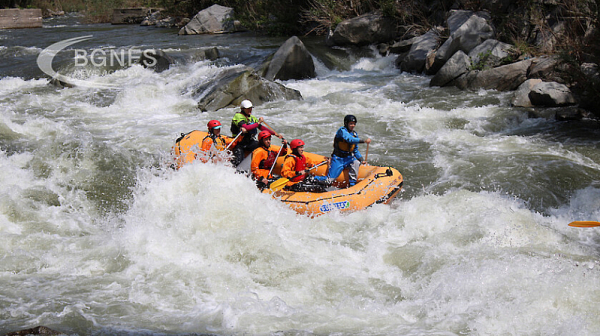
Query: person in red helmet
295	168
264	158
214	141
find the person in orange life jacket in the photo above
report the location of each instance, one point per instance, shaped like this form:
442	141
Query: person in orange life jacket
345	151
214	139
295	168
249	125
263	158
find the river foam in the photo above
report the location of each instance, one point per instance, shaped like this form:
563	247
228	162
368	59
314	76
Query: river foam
99	236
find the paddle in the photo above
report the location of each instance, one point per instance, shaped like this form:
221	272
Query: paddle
279	184
367	152
584	224
274	163
232	142
271	128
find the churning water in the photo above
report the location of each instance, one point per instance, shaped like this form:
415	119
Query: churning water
98	236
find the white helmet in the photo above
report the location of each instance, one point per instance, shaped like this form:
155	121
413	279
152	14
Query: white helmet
246	104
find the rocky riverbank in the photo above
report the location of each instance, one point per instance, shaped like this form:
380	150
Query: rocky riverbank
467	52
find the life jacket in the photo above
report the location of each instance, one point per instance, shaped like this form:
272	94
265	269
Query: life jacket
239	118
341	148
269	161
299	166
218	142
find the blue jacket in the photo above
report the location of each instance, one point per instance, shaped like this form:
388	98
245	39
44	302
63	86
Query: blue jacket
346	143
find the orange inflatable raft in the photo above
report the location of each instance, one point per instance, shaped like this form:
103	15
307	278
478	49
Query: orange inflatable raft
375	184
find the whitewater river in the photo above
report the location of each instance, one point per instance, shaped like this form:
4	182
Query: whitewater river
99	237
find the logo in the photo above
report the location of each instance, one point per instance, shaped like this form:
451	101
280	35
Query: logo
338	205
101	59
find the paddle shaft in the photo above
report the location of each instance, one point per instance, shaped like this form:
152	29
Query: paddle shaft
231	143
271	128
279	184
315	166
367	153
274	163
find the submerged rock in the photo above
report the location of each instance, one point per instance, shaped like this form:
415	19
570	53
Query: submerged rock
40	330
157	60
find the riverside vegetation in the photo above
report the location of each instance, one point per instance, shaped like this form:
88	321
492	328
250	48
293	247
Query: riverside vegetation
565	29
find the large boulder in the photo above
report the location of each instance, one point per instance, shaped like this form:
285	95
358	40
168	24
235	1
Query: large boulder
491	53
503	78
414	60
363	30
547	68
458	17
454	68
232	86
521	97
291	61
551	94
471	33
215	19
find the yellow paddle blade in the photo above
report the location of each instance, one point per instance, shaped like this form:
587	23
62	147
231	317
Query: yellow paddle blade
279	184
584	224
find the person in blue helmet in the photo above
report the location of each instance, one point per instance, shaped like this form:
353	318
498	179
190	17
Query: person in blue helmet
345	152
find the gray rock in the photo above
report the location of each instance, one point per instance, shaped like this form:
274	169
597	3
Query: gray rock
571	113
403	46
545	68
470	34
503	78
551	94
40	330
521	97
454	68
590	70
156	60
236	84
129	15
457	18
415	60
363	30
152	18
495	6
291	61
490	53
215	19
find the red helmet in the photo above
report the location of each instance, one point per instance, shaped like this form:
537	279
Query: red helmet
212	124
296	143
263	134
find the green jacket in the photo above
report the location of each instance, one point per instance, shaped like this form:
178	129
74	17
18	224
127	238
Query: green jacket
239	120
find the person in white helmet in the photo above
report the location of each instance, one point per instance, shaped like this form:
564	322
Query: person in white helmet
249	125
